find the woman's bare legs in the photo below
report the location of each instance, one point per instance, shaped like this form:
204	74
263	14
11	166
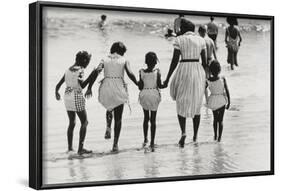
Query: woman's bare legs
196	123
182	122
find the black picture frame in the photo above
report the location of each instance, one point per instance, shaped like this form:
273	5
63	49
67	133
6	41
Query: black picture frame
35	94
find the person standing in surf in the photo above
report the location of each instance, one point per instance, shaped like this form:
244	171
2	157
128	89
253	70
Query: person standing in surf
213	30
149	97
74	100
188	84
113	92
210	46
233	41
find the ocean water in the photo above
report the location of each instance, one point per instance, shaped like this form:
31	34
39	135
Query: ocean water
245	145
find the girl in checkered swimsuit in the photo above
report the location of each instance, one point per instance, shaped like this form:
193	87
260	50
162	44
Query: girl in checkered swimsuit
74	100
149	97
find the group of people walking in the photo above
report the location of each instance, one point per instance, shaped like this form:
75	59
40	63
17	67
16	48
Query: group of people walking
197	73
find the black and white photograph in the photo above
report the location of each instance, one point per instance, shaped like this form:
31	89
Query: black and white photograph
145	95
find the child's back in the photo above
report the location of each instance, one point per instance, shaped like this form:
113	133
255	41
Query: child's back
217	98
150	95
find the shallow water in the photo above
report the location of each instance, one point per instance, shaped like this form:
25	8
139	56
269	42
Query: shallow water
245	144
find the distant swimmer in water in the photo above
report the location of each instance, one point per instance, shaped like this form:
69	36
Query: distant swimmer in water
212	30
233	41
102	23
177	24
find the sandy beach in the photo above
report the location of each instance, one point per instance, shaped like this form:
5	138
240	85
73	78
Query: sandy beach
245	145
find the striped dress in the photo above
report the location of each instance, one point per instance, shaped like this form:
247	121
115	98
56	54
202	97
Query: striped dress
73	96
188	84
113	89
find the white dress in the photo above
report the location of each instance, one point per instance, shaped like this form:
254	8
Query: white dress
73	96
113	89
217	99
188	84
149	96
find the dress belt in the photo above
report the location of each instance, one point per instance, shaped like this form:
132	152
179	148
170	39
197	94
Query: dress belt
189	60
112	77
150	88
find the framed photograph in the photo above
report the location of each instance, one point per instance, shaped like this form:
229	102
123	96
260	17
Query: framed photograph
122	95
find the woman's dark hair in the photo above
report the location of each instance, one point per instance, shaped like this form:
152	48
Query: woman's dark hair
151	58
119	48
186	26
82	58
212	18
103	17
232	20
215	68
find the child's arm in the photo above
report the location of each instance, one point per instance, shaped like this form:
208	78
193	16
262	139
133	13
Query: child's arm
227	93
140	82
226	35
159	82
206	93
58	88
130	73
214	51
240	38
91	80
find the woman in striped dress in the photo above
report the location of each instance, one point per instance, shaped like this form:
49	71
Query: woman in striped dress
188	84
74	100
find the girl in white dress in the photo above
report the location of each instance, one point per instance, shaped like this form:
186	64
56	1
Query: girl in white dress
113	93
219	100
149	97
188	85
74	100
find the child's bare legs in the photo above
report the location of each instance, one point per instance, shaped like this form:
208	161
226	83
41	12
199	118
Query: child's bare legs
109	118
145	126
153	128
71	117
196	123
215	124
220	120
182	122
118	111
83	130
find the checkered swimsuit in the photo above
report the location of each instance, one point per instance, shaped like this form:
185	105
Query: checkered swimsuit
79	100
